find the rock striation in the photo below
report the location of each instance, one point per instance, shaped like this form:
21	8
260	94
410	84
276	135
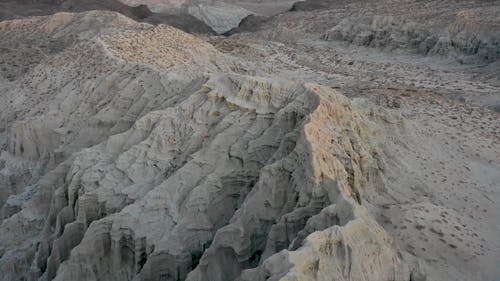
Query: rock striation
465	37
175	173
130	151
220	17
466	30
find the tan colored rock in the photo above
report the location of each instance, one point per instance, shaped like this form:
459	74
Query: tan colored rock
133	152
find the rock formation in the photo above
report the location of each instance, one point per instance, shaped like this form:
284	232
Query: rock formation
220	17
332	151
10	9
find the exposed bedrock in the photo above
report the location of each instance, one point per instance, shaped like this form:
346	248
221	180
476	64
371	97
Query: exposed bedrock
241	179
289	198
138	152
70	101
221	17
359	250
210	186
464	37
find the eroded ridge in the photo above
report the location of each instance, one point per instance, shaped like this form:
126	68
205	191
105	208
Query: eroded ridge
139	152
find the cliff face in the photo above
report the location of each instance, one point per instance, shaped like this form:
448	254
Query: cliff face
153	166
467	36
246	177
139	152
464	30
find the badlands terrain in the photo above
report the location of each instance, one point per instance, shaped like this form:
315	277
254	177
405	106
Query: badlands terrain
205	141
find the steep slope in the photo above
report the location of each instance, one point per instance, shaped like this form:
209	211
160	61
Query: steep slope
252	148
170	157
59	99
139	152
220	16
450	49
464	30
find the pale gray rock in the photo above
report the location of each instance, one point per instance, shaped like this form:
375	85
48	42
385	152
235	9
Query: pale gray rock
139	152
464	37
221	17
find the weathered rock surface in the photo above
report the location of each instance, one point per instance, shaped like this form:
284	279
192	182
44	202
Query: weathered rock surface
465	30
220	17
175	165
139	152
78	100
12	9
467	36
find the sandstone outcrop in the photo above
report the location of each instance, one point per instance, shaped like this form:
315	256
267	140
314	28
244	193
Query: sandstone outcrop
466	30
466	37
220	17
137	152
174	166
